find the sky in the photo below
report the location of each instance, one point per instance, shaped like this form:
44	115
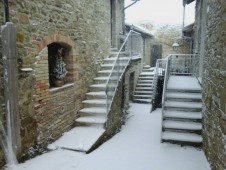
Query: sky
159	12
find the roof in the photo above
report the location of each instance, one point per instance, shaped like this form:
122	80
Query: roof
188	28
185	2
139	29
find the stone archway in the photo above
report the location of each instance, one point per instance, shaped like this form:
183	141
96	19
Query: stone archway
54	106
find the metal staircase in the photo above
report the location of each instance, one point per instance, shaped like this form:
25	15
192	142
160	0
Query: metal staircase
91	123
182	115
144	88
182	105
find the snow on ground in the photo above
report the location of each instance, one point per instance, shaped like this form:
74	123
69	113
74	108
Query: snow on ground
136	147
183	82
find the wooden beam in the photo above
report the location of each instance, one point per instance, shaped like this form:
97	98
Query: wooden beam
10	81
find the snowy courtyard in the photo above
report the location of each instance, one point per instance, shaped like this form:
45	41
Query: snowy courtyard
136	147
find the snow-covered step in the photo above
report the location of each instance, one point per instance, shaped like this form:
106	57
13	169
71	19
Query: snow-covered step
146	78
142	100
102	78
93	110
100	87
145	84
143	92
144	88
183	115
99	94
107	65
142	96
101	119
146	74
145	81
181	104
146	66
99	102
105	71
78	139
183	95
183	137
183	83
182	125
114	58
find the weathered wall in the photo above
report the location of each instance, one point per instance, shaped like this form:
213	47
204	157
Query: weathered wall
214	86
147	49
134	67
84	26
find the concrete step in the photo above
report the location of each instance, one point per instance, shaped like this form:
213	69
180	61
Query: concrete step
142	96
182	125
142	101
144	89
142	92
144	85
97	87
182	115
93	110
94	103
92	119
182	104
78	139
145	81
98	95
182	137
181	95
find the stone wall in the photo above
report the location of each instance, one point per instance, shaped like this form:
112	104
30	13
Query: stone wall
147	49
134	69
83	27
214	86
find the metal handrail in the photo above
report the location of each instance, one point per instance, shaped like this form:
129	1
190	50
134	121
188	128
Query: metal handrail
132	46
179	64
158	72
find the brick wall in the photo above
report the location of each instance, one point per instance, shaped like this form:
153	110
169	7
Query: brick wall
214	86
82	26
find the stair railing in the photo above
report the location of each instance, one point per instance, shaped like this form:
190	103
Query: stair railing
180	65
131	47
160	68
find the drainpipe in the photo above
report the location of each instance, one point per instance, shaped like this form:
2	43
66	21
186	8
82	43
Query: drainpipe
6	10
135	1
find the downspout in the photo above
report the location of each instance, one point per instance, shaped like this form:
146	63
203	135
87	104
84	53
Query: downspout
6	10
131	4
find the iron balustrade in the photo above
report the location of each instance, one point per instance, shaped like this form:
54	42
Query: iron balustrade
160	68
179	65
132	47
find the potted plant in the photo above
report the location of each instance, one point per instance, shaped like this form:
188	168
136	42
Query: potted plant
58	71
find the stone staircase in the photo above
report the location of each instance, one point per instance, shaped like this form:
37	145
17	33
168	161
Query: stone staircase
143	90
90	125
182	116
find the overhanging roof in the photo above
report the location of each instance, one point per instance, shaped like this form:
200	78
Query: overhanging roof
185	2
139	29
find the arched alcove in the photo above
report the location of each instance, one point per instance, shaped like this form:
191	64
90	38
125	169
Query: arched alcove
54	106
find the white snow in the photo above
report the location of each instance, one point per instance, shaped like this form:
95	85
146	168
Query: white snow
183	82
136	147
182	125
179	136
183	114
79	138
183	104
92	119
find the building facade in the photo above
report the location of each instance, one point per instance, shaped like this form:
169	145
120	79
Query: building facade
210	43
81	34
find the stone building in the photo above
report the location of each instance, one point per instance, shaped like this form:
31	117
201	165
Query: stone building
209	44
147	38
82	32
